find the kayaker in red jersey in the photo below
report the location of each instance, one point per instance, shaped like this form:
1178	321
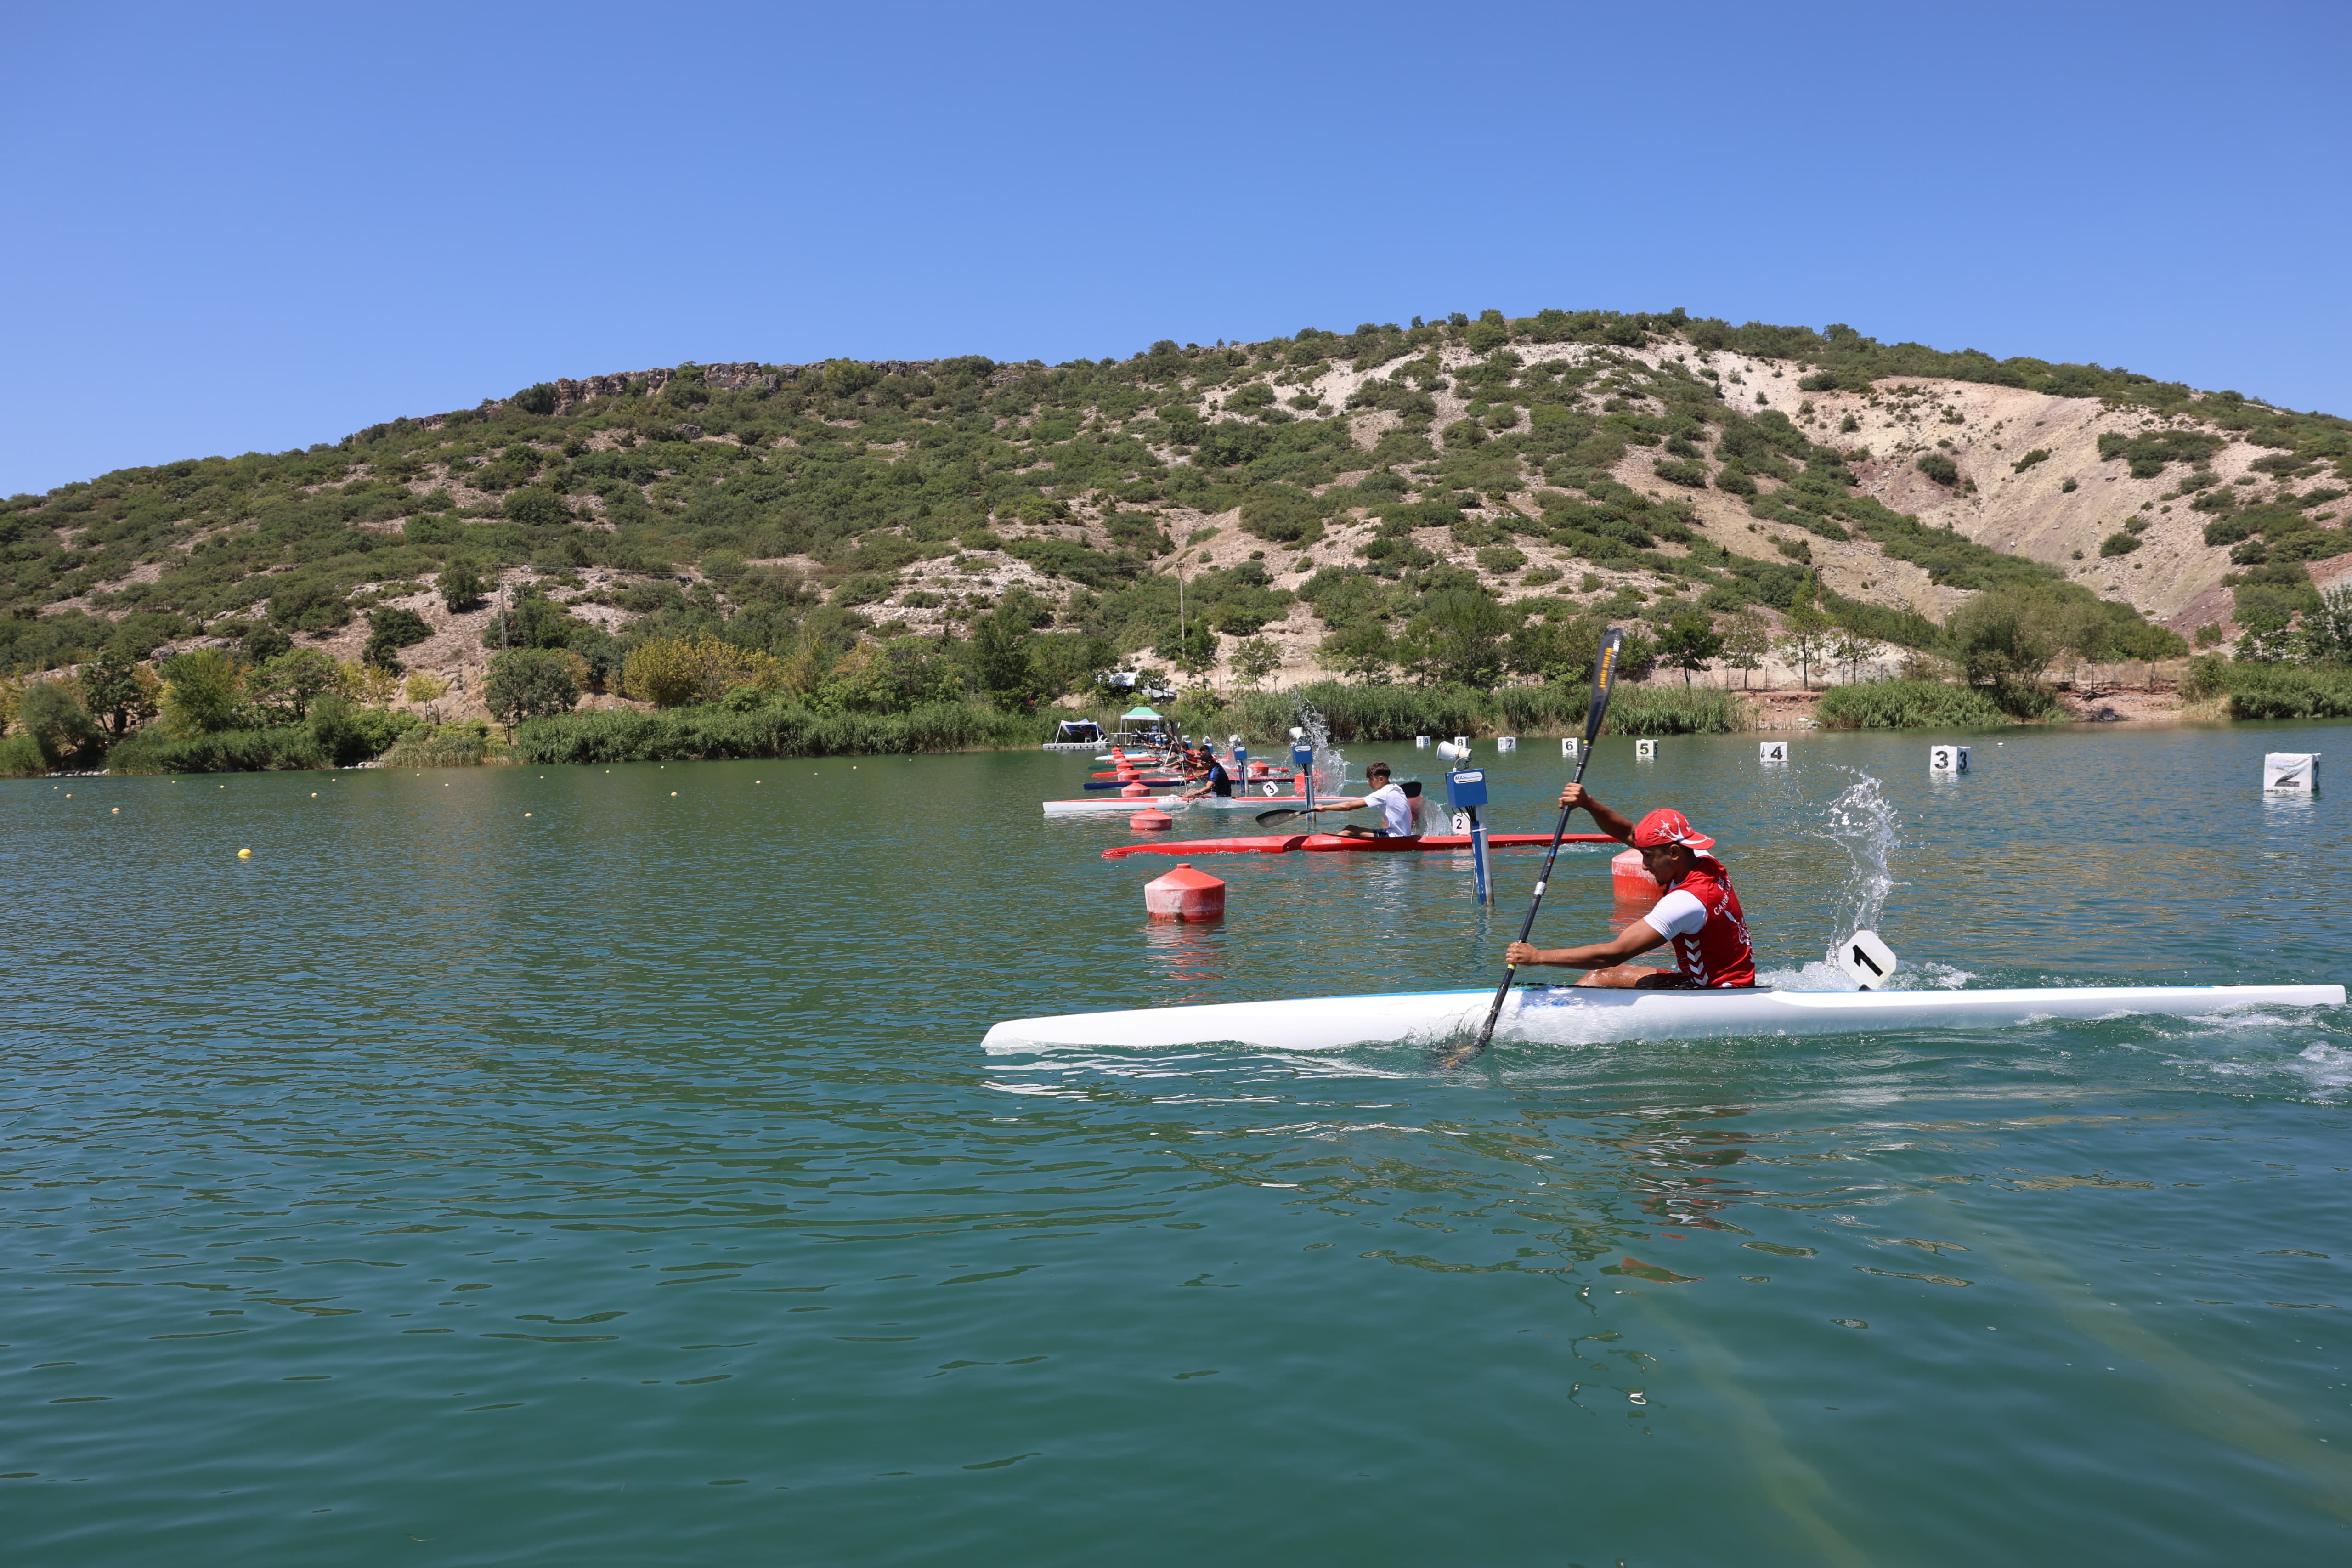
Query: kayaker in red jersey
1699	914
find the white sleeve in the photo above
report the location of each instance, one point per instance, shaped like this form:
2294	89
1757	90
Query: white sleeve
1679	914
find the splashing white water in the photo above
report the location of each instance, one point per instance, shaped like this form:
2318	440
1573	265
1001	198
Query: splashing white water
1330	763
1863	823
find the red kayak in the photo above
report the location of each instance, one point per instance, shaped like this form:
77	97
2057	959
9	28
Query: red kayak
1344	844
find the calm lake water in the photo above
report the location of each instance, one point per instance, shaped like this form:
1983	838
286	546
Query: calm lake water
574	1168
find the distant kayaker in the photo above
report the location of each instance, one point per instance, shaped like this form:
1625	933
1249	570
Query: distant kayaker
1391	801
1699	914
1219	782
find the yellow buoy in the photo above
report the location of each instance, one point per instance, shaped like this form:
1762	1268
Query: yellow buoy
118	810
673	794
526	814
244	854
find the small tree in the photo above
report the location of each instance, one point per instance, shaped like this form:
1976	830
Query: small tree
283	690
118	690
1456	638
202	692
461	587
1362	650
1747	640
423	689
1001	663
2000	636
1253	660
2326	633
1852	649
1808	637
530	683
51	713
1690	643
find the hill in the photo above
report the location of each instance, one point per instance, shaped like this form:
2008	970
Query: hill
1269	510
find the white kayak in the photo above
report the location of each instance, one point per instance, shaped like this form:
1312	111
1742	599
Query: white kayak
1235	802
1575	1016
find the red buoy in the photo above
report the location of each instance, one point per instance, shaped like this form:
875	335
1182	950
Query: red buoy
1629	879
1184	894
1135	790
1151	819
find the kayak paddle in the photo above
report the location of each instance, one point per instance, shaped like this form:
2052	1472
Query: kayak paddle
1604	676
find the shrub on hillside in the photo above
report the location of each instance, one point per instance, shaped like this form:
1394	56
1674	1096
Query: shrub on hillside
461	587
389	629
308	607
2119	544
1940	468
672	673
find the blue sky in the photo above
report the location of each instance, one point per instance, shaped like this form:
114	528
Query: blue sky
238	228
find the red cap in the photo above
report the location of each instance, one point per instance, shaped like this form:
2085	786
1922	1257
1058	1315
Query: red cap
1667	825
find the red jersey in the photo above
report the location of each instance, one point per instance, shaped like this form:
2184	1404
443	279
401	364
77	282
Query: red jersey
1701	916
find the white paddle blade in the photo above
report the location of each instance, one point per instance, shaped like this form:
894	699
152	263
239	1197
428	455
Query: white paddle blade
1868	961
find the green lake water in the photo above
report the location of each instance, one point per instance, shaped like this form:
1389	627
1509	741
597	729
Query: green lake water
587	1167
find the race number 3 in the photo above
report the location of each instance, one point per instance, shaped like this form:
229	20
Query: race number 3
1948	759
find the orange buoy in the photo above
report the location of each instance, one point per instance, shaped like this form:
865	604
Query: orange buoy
1151	819
1184	894
1629	879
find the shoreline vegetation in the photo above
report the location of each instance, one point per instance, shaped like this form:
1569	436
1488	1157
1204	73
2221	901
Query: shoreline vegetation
745	724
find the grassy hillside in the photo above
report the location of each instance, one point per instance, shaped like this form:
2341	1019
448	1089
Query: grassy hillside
1455	501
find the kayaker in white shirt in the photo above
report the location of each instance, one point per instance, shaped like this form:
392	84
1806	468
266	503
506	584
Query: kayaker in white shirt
1394	806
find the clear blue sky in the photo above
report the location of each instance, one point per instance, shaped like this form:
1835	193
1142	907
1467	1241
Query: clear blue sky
233	228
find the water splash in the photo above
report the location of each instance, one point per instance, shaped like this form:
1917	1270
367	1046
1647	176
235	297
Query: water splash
1330	763
1863	824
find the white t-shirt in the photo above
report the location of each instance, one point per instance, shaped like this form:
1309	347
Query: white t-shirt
1679	914
1394	809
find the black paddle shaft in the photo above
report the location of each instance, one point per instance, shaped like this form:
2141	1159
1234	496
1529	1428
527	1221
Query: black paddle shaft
1603	680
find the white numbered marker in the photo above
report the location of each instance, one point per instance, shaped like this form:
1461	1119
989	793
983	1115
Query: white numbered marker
1645	751
1948	759
1772	751
1570	746
2298	772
